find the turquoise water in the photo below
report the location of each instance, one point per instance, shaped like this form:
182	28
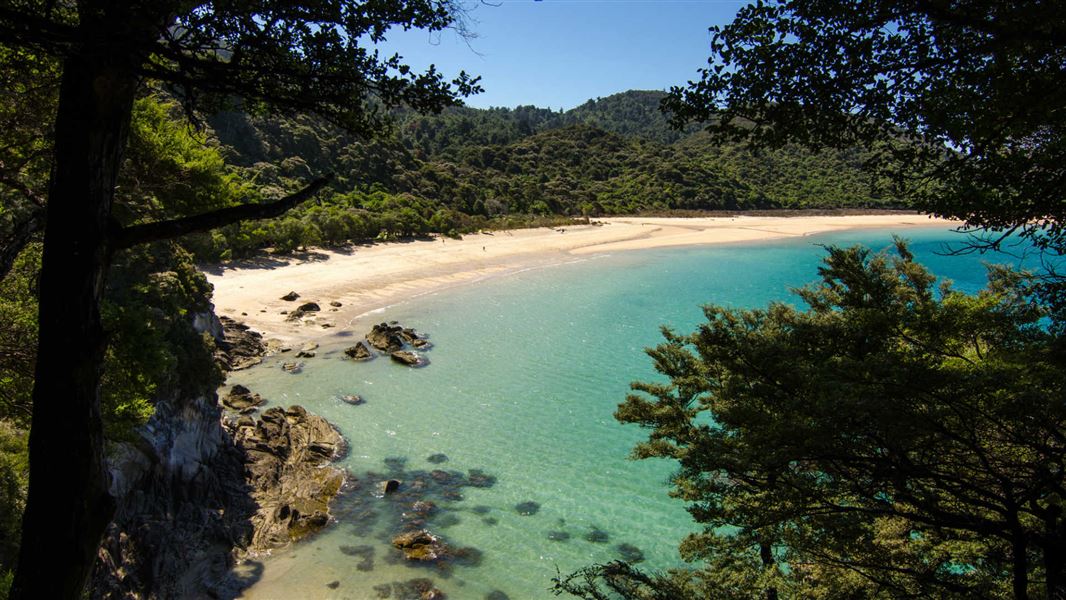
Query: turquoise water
525	373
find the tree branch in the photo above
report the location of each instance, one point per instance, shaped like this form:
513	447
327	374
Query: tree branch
40	32
126	237
22	234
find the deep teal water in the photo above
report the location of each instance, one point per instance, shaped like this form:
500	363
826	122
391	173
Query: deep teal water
524	376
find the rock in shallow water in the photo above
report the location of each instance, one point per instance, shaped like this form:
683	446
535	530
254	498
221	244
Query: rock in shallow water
597	536
353	399
527	508
630	553
407	358
421	546
359	352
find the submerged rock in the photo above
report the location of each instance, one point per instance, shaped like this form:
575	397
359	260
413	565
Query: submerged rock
437	458
390	486
292	367
421	546
630	553
527	508
480	479
364	552
597	536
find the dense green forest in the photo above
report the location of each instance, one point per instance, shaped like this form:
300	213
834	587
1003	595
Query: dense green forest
468	169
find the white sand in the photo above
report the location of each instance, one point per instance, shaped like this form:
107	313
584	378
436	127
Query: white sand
372	277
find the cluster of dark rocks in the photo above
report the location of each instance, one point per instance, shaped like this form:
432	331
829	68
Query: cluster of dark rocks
238	347
394	340
242	400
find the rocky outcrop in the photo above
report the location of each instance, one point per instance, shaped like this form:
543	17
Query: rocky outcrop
287	457
239	347
195	494
386	338
392	340
241	398
183	506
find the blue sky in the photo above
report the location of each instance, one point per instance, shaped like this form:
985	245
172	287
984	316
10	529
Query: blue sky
560	53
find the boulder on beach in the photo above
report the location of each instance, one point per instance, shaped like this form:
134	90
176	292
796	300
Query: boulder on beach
290	297
307	350
309	307
335	304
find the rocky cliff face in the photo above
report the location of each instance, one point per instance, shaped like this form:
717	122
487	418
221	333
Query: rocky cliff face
196	491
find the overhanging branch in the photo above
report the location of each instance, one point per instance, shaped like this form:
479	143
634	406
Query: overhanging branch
20	236
127	237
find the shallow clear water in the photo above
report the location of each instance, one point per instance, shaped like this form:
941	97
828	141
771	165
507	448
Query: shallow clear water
524	376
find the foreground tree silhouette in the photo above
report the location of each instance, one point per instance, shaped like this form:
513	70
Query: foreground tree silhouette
896	439
965	101
313	57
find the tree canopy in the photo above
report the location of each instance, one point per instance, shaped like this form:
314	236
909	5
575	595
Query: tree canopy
963	100
281	57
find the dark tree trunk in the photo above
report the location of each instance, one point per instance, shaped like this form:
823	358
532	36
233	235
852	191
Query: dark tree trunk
1019	565
766	555
1054	567
68	505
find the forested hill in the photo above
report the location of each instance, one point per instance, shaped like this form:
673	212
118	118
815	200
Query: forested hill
470	168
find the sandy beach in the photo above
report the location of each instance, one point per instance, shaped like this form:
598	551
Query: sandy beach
366	278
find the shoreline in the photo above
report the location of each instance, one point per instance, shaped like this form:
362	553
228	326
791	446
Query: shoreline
366	279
